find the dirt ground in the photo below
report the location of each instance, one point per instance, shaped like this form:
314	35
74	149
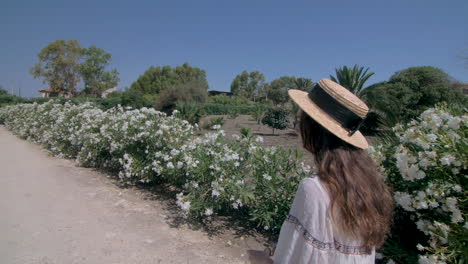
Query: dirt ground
285	138
53	212
282	138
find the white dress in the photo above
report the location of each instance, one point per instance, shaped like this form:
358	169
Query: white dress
308	235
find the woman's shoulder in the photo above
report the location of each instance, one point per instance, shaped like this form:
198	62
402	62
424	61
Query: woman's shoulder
312	183
312	191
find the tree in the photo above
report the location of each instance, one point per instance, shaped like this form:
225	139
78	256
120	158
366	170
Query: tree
276	119
191	91
157	79
58	66
430	85
248	85
409	92
92	70
352	78
278	89
2	91
304	84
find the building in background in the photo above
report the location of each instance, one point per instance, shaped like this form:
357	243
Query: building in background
108	91
212	93
46	93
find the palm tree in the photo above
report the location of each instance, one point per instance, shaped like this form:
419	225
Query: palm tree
304	84
352	78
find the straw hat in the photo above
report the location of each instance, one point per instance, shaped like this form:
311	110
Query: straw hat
336	109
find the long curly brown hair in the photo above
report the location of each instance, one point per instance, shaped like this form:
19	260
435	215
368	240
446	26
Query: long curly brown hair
357	192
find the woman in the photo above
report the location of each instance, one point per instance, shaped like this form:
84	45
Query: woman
344	212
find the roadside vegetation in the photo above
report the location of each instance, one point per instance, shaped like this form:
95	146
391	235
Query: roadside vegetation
150	134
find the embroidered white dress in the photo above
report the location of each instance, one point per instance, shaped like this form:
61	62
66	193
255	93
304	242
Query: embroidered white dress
308	235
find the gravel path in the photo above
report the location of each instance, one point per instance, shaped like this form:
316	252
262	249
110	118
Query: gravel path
53	212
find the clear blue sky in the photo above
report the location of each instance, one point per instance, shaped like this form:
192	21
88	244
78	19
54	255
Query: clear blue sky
300	38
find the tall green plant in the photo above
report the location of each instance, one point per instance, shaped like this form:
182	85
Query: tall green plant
258	113
93	71
157	79
352	78
192	112
304	84
58	66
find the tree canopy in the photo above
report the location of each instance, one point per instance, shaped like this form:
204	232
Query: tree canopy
248	85
93	71
190	91
2	91
157	79
62	64
278	89
411	91
58	65
276	118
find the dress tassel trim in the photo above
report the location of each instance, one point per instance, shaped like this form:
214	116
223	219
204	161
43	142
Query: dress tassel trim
350	250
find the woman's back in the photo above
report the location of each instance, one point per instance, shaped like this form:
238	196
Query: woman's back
309	236
348	184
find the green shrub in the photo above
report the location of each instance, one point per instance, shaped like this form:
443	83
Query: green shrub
233	113
258	113
130	98
276	118
191	91
6	99
246	132
223	109
217	121
192	112
228	100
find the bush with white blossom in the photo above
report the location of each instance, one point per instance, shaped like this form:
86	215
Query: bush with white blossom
239	177
427	170
214	175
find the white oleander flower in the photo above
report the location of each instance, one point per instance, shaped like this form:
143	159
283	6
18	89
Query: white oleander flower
185	206
447	159
454	123
179	165
431	137
404	200
208	211
428	260
170	165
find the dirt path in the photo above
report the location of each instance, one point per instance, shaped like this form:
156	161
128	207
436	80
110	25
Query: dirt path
53	212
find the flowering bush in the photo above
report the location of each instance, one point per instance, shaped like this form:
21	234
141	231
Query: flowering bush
428	172
239	177
214	175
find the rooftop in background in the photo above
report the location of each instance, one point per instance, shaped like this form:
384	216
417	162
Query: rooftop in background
212	93
462	86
